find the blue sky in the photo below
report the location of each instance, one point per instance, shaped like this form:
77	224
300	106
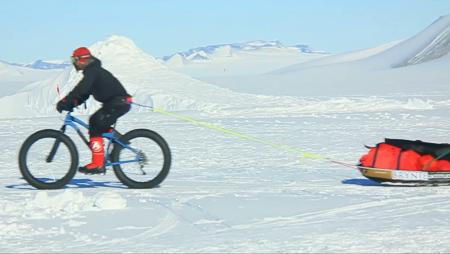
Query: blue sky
51	29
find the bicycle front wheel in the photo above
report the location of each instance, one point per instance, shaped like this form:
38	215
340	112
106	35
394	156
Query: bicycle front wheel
144	161
48	159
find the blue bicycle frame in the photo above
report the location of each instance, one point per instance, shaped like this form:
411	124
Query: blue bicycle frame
113	137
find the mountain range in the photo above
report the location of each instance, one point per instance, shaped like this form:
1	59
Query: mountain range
44	64
204	53
210	52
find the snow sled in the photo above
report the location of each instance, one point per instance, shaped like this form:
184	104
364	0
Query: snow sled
405	161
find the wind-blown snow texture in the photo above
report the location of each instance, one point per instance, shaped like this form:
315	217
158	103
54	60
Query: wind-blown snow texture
224	194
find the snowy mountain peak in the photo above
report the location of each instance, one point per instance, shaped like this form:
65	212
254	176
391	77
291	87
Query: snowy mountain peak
261	44
118	41
114	44
440	44
120	51
430	44
443	17
47	65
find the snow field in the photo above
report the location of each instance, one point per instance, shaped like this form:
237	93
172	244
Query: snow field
228	195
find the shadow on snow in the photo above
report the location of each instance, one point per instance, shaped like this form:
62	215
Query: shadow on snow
368	182
362	182
75	183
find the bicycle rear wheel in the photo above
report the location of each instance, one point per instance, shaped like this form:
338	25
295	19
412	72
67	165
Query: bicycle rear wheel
48	159
143	163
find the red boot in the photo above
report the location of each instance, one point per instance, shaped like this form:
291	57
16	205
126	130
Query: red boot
97	166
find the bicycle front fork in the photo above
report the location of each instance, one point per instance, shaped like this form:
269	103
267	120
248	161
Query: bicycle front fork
55	147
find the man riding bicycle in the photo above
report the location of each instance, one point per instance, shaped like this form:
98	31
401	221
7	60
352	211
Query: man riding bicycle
105	88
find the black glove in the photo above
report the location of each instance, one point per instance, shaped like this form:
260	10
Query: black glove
64	104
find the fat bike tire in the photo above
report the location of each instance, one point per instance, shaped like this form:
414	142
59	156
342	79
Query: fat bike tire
55	141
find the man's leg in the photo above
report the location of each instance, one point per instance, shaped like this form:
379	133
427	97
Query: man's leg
97	164
99	122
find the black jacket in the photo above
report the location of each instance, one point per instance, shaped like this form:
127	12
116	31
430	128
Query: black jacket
97	82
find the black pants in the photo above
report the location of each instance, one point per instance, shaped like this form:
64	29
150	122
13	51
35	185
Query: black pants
107	115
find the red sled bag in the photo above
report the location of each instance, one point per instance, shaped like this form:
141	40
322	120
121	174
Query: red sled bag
429	163
408	155
385	156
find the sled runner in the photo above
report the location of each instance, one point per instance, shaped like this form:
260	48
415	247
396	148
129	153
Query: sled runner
405	176
405	161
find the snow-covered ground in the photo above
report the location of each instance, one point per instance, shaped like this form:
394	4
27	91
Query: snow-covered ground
226	194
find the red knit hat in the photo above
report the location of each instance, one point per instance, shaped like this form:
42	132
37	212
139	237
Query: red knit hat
81	54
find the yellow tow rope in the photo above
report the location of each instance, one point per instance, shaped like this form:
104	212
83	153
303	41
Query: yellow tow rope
301	153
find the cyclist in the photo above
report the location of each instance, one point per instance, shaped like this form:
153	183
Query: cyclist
105	88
